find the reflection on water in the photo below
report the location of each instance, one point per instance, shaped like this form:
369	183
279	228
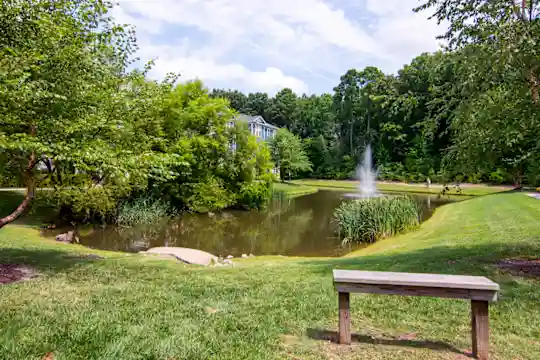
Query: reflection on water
292	227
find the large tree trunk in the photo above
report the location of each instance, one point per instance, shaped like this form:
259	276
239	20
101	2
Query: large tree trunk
30	191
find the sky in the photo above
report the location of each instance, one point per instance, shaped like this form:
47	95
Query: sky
267	45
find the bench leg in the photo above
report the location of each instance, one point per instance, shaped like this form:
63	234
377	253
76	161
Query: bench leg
344	319
480	329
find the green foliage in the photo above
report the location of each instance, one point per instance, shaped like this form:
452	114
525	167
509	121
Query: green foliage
210	194
254	195
70	112
96	203
142	210
369	220
209	173
289	154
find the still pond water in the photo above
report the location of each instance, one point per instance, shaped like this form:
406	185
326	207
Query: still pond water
291	227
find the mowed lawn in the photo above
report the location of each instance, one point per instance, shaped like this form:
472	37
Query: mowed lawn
292	190
136	307
464	189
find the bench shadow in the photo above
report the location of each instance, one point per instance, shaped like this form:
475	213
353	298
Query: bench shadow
333	336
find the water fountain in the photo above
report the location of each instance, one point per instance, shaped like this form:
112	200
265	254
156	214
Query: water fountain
366	175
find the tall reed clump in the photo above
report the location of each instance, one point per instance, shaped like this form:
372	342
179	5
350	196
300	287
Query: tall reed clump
368	220
143	210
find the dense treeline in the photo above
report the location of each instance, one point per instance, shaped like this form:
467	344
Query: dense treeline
468	113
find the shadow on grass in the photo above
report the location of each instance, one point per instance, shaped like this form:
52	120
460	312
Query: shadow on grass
46	260
333	336
473	260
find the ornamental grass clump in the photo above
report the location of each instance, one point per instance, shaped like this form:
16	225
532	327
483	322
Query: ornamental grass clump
368	220
144	210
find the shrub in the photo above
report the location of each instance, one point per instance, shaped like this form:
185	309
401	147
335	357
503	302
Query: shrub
142	210
254	195
368	220
85	204
207	196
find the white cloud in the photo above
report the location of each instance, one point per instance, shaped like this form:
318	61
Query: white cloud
401	32
270	80
266	45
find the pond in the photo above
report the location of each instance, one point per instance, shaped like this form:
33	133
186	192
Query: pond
290	227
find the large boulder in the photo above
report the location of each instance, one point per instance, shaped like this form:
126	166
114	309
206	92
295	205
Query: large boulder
68	237
190	256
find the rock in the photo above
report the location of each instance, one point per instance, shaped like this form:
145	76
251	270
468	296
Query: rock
251	255
211	214
227	261
230	257
244	256
68	237
189	256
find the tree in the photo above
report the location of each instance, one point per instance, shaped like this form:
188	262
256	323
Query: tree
63	100
499	62
237	99
288	153
210	173
257	104
282	108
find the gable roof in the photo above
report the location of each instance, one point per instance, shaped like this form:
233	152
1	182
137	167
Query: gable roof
254	119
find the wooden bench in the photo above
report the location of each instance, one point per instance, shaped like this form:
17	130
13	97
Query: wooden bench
478	289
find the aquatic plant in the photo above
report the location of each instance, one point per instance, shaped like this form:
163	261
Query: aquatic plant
143	210
368	220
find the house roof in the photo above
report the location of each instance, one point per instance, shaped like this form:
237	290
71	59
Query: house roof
254	119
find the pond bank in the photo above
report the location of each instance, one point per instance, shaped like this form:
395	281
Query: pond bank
264	308
465	189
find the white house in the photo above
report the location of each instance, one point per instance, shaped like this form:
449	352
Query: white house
257	126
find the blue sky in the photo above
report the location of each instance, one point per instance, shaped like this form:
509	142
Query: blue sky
266	45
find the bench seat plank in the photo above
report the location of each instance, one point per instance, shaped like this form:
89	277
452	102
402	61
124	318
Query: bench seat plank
440	292
412	279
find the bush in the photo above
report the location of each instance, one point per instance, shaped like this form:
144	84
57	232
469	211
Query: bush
254	195
143	210
86	204
207	196
368	220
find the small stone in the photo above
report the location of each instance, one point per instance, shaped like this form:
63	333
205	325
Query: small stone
244	256
251	255
210	310
230	257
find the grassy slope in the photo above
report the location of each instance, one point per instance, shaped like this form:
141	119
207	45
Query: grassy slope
134	307
294	190
474	190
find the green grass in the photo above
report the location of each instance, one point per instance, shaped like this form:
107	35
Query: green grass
292	190
136	307
465	190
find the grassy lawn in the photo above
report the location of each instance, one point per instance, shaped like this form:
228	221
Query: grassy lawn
292	190
135	307
466	190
